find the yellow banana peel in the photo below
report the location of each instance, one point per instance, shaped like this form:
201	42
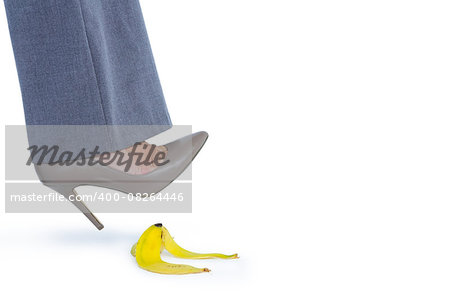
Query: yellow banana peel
157	238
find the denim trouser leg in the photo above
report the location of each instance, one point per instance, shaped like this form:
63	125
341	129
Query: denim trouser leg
86	62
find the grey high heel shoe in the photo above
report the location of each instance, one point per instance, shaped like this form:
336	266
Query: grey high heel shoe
64	179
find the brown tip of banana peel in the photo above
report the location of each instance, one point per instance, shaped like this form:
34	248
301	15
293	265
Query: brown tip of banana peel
206	270
235	256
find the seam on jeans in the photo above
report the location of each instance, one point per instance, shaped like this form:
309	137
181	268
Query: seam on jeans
93	65
102	107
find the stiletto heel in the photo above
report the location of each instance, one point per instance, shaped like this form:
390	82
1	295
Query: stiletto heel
68	191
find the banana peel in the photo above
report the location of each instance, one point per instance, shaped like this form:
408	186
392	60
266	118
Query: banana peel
157	238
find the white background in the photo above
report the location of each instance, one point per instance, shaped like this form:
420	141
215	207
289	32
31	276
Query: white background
327	167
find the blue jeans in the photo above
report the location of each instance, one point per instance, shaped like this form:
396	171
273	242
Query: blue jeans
86	62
